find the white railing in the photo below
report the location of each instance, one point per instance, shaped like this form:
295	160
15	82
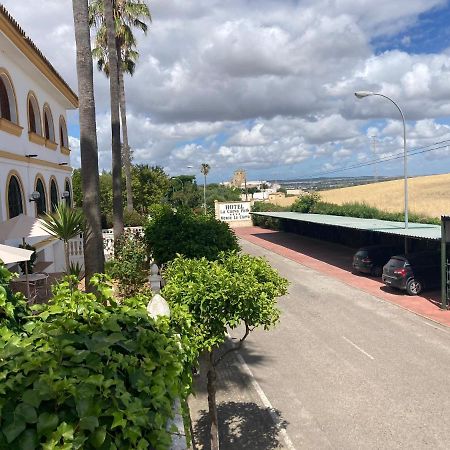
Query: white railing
76	251
108	239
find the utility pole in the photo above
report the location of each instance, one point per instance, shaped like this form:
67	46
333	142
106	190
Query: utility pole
374	150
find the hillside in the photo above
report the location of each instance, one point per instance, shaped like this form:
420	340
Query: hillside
429	195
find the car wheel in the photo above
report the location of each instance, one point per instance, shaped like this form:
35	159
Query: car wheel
414	287
376	272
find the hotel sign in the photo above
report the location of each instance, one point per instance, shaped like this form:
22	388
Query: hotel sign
229	212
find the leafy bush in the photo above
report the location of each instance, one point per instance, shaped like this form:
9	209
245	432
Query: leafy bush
130	264
89	376
13	307
306	202
133	218
355	209
267	222
30	263
192	235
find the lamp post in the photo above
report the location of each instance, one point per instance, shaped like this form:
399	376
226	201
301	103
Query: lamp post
362	94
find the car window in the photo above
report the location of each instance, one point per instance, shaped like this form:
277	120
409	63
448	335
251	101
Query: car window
362	253
397	263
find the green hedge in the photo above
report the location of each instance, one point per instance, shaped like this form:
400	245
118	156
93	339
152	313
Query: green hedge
184	232
362	210
267	222
87	373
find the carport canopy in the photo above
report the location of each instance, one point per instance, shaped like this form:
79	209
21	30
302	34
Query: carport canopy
414	230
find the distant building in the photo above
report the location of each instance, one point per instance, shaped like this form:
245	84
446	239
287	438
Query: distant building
239	178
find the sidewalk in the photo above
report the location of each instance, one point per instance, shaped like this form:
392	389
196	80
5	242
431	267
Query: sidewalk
335	260
244	422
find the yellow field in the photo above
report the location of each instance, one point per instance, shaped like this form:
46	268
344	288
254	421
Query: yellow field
428	195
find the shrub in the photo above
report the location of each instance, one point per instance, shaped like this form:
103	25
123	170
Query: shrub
133	218
267	222
13	307
32	260
192	235
130	264
306	202
355	209
89	376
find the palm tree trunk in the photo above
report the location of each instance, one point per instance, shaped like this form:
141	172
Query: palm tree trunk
66	257
93	240
126	147
115	120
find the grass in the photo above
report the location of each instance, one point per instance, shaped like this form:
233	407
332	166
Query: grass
428	195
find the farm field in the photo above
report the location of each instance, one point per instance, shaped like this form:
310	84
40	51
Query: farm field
428	195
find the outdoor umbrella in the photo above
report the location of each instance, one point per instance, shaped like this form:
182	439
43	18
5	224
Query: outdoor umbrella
22	227
10	255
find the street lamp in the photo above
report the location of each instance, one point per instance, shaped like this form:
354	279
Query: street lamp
362	94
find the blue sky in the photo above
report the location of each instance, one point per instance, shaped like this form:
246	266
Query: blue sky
270	89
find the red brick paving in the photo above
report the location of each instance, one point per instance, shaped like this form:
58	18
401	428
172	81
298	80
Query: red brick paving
335	260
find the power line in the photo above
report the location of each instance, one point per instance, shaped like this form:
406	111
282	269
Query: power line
412	152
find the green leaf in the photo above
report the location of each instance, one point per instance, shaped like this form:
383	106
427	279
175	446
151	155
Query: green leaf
26	412
28	440
97	380
47	423
13	430
119	420
98	437
89	423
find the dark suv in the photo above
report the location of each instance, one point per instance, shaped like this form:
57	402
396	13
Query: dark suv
371	259
413	272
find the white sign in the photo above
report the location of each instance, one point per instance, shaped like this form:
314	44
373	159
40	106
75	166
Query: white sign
229	212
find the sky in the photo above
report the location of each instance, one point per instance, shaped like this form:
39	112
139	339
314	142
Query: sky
267	85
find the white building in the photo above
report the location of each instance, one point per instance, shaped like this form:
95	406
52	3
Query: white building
34	148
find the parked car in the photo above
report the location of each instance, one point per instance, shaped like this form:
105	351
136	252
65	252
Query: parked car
371	259
413	272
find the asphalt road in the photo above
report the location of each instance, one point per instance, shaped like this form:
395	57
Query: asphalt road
347	370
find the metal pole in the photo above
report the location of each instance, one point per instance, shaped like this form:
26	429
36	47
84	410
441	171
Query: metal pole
405	164
444	287
204	193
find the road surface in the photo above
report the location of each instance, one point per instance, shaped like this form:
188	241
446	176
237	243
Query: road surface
347	370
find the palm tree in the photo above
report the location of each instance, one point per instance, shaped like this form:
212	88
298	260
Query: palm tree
204	169
113	65
128	14
93	241
65	224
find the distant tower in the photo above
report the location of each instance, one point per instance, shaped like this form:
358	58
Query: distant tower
374	150
239	178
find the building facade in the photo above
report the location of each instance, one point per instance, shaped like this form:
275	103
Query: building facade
34	146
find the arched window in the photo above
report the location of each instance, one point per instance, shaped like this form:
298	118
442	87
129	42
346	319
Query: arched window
34	116
54	200
41	203
15	197
8	107
49	129
69	197
63	140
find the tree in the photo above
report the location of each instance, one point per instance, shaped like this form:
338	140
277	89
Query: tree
150	186
93	240
128	14
184	192
221	194
169	233
64	224
234	290
115	119
204	169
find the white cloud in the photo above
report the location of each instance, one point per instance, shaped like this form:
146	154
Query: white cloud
269	89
